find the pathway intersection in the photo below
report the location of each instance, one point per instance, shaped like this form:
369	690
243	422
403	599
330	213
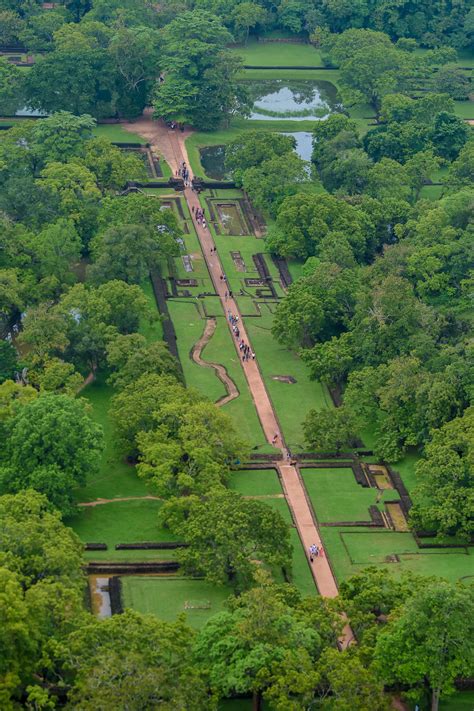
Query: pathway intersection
171	145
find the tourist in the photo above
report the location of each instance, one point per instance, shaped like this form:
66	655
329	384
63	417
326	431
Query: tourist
311	554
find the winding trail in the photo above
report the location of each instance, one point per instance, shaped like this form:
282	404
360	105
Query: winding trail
221	372
171	145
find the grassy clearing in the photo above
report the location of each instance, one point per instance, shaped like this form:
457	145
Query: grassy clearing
152	330
462	701
256	482
464	109
121	522
189	327
292	401
117	134
268	54
168	597
351	550
116	478
336	495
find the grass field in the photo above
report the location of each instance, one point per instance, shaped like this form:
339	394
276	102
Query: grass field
351	550
117	134
337	496
268	54
122	522
168	597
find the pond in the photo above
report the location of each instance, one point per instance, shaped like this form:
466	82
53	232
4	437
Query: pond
304	143
212	160
230	219
280	99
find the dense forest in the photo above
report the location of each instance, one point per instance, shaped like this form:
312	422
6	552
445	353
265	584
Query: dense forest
381	314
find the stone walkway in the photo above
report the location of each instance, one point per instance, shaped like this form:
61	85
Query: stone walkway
171	144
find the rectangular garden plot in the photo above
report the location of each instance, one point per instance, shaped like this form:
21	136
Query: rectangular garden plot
168	597
352	550
134	521
336	495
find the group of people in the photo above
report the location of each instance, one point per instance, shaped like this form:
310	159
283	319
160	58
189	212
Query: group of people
200	219
247	353
183	173
315	551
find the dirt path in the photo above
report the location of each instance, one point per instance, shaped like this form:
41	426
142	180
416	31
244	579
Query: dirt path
221	372
100	502
172	143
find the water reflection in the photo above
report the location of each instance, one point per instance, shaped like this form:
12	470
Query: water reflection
280	99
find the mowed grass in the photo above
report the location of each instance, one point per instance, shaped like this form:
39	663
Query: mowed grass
133	521
255	482
352	550
462	701
265	482
116	134
292	401
269	54
116	478
168	597
336	495
189	326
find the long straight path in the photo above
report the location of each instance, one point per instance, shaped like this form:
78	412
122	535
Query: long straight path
172	145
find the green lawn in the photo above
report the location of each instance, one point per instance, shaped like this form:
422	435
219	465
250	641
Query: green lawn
168	597
117	134
120	522
351	550
116	478
256	482
292	401
462	701
464	109
270	54
336	495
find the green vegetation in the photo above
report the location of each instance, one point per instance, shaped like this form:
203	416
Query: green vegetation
267	54
168	597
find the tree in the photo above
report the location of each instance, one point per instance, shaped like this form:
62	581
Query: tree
57	376
44	332
226	535
8	361
130	252
191	448
111	166
448	135
327	129
12	297
451	80
61	136
11	88
304	220
429	639
329	430
419	169
267	644
251	148
346	684
10	27
136	55
273	180
247	16
17	642
52	446
133	407
462	169
130	357
444	498
135	661
38	34
56	248
35	544
200	85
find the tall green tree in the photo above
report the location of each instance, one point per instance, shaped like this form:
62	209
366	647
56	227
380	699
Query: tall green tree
430	640
226	535
52	446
